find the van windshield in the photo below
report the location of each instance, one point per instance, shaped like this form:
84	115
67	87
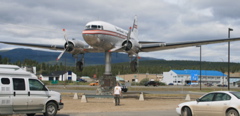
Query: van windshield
35	85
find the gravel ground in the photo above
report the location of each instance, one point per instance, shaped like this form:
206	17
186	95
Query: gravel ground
106	105
127	104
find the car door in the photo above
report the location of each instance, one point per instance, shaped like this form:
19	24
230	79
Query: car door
20	95
38	95
202	107
220	104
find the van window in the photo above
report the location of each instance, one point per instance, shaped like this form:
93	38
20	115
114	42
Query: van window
5	81
35	85
18	84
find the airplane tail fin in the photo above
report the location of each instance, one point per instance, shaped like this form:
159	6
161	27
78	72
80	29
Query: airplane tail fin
134	33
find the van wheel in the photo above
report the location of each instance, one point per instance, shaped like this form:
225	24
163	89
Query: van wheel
31	114
51	109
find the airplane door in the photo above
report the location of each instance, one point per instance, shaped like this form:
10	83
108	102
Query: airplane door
6	95
38	95
20	94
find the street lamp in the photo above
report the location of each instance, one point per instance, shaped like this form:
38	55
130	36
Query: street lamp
200	66
229	29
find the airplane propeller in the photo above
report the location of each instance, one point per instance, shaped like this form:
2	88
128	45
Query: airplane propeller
67	45
127	44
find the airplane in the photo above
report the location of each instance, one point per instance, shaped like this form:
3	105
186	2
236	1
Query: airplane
105	37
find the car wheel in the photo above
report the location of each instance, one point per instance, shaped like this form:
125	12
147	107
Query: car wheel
186	112
51	109
232	112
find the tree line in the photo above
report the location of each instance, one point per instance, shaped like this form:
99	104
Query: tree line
152	67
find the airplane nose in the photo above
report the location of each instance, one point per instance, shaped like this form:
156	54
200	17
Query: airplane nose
91	39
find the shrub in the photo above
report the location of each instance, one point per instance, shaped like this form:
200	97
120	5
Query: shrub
143	81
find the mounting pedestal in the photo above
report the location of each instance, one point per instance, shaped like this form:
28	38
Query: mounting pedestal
107	82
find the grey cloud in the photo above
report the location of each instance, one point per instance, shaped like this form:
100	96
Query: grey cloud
166	21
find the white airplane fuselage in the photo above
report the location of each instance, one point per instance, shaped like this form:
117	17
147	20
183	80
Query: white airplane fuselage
104	36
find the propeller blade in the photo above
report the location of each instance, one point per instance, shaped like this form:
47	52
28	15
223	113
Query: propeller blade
115	48
66	39
129	33
60	55
65	35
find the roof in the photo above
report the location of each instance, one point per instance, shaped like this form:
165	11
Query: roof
119	78
9	67
15	71
203	72
55	73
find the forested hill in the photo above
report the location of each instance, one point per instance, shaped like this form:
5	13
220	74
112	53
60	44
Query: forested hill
45	63
159	66
20	54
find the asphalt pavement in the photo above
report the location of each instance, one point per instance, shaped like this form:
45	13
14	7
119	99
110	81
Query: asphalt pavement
127	113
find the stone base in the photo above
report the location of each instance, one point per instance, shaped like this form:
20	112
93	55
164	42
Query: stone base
106	85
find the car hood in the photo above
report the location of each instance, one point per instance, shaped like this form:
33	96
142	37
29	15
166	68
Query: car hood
188	103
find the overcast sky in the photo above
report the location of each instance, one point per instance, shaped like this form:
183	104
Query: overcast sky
167	21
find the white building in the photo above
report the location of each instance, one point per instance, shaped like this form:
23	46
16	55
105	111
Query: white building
60	76
190	77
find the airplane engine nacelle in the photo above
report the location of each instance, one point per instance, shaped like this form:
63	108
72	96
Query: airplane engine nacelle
131	47
74	46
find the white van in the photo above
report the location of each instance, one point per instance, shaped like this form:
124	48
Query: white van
21	92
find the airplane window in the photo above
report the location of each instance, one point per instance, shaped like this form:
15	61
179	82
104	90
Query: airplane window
94	26
88	27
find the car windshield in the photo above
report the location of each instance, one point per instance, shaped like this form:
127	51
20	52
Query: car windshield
237	94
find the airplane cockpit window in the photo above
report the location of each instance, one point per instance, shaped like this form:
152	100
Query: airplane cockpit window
94	27
88	27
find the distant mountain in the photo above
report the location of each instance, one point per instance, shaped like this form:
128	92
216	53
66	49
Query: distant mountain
20	54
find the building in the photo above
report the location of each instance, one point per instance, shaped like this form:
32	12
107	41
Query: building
191	77
139	77
59	76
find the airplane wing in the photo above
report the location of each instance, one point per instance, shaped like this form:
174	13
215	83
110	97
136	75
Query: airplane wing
166	46
149	42
45	46
145	46
51	47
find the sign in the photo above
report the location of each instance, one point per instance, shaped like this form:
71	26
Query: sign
194	77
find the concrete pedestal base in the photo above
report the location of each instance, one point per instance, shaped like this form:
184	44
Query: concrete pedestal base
106	85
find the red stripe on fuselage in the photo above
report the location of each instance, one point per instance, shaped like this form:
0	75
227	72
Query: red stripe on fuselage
104	32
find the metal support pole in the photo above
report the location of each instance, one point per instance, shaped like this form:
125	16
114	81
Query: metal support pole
200	67
228	79
200	81
107	63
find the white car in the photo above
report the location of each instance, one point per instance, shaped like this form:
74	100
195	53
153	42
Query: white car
218	103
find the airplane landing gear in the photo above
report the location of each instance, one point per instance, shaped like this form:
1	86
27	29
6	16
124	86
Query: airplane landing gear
80	63
79	66
134	64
